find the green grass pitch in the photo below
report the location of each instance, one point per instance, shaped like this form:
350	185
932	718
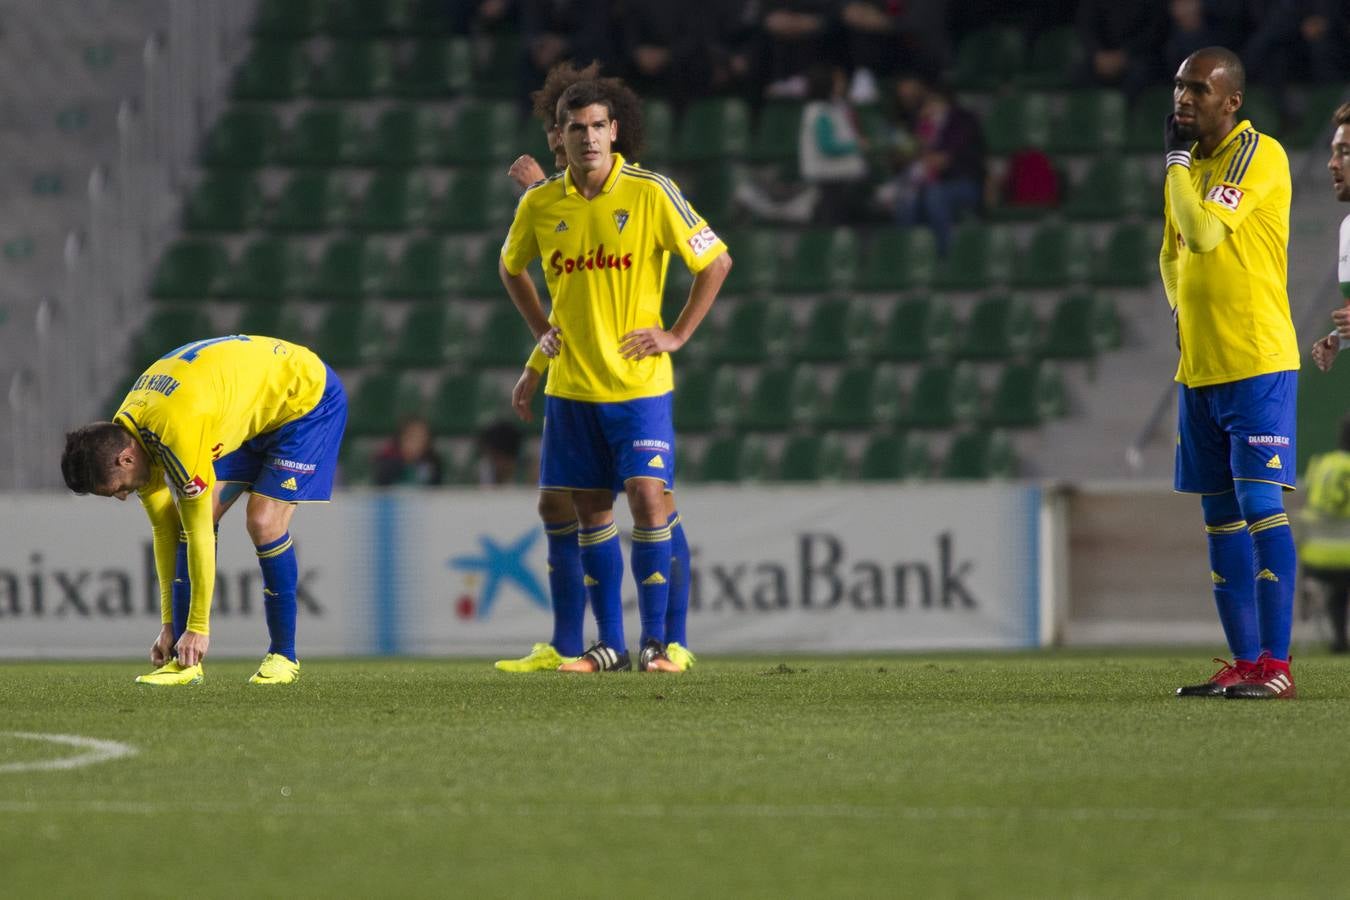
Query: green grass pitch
1031	775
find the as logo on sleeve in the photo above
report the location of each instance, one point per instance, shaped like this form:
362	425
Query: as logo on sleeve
701	240
1226	196
194	487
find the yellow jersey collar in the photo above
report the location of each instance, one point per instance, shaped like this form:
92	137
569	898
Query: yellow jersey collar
569	186
1242	126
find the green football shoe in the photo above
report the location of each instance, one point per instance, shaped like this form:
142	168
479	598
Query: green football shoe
681	656
172	674
276	669
541	658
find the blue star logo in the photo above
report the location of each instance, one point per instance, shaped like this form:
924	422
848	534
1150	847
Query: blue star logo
500	564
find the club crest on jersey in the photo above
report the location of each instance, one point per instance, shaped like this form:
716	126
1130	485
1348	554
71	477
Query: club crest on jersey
194	487
620	219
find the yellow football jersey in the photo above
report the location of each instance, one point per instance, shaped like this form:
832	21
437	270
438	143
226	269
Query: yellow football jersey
605	264
1233	301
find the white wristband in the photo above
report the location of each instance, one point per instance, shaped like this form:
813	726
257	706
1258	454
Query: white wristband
1179	158
1345	342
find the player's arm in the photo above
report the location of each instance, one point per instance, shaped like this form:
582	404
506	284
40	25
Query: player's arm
1198	226
157	500
518	250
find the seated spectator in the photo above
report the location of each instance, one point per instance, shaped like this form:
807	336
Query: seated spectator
793	36
408	457
558	30
1297	40
1121	42
885	38
830	148
499	447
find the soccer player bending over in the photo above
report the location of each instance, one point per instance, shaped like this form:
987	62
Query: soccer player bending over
205	423
1224	268
604	229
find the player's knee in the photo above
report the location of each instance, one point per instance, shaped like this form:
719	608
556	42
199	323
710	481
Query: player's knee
647	500
266	520
1259	499
1220	509
556	507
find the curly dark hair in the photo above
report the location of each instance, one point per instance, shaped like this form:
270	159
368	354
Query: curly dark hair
625	107
91	455
1342	115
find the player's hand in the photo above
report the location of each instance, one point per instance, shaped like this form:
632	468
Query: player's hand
645	342
161	651
191	648
550	342
1176	141
1176	327
523	394
1325	350
525	171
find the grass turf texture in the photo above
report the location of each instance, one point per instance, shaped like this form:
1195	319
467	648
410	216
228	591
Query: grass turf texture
1013	775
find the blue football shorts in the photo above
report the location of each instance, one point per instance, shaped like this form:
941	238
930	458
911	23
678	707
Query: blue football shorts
1241	430
600	446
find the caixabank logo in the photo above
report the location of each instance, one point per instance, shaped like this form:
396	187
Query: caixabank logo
498	568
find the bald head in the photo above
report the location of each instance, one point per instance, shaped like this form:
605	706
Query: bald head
1225	64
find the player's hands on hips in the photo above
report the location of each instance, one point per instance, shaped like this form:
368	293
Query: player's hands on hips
550	342
645	342
523	394
1325	350
162	649
525	171
191	648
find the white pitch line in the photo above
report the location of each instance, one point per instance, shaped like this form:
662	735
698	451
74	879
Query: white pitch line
98	751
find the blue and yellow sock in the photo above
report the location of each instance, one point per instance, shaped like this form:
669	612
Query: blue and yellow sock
602	563
566	585
1277	564
677	607
280	574
1233	574
650	560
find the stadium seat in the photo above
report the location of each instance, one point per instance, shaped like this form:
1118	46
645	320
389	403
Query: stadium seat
434	68
402	136
349	268
735	458
428	268
224	201
988	58
822	259
1059	255
864	395
504	340
1114	187
481	278
1091	121
323	136
777	133
658	124
836	330
311	201
1081	326
497	66
755	252
1054	58
709	191
980	255
705	398
1018	121
274	71
979	454
781	398
362	18
1000	326
432	334
188	270
890	456
916	328
267	270
1130	258
353	70
713	129
943	395
169	327
380	399
1145	118
463	402
812	457
242	138
474	200
284	19
279	320
1260	107
393	201
895	259
1315	128
350	335
1027	394
755	330
483	132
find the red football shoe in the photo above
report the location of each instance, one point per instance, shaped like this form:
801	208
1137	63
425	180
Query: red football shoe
1230	674
1270	680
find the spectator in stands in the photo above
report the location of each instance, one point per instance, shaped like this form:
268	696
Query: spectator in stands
473	16
942	180
792	36
556	30
1195	24
1298	40
666	50
1120	42
731	30
886	37
830	148
408	457
499	453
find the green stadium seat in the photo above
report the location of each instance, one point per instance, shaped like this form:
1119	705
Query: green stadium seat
224	201
1260	107
987	59
167	328
822	259
353	70
1130	258
482	279
713	129
435	68
1027	395
1091	121
1081	326
777	133
896	259
474	200
188	270
363	18
432	334
980	256
268	269
323	136
242	138
1145	119
428	268
533	140
497	66
678	282
380	400
394	200
916	328
1113	188
890	456
781	398
504	340
755	255
274	71
735	457
1018	121
350	335
311	201
273	319
1059	255
836	330
755	330
1054	58
285	19
710	191
979	455
864	395
658	124
1000	327
464	402
484	132
943	395
402	136
812	457
705	398
349	268
1315	128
